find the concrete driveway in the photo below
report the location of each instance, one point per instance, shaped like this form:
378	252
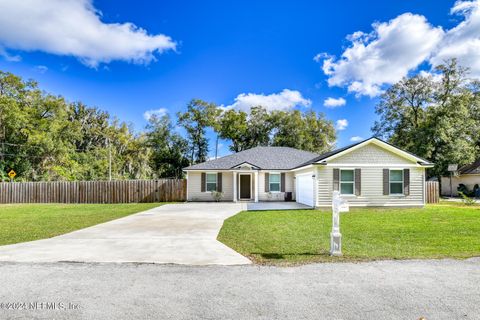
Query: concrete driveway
175	233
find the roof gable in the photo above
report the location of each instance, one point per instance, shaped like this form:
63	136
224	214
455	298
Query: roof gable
371	153
245	164
379	149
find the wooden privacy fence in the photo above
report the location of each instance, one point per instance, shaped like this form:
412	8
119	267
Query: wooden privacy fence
122	191
432	192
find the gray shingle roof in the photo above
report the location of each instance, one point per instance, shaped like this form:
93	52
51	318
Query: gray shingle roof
473	168
277	158
266	158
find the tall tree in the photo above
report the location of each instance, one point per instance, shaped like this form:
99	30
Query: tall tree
244	130
44	137
168	148
306	131
199	116
232	125
433	117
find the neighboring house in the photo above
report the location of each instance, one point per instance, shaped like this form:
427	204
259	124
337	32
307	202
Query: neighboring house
368	173
469	175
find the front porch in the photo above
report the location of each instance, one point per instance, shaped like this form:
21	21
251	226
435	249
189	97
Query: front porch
241	185
276	205
251	184
245	185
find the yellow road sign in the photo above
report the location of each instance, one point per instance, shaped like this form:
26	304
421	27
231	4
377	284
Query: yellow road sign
12	174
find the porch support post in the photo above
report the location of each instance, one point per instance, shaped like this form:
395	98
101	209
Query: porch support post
255	186
234	186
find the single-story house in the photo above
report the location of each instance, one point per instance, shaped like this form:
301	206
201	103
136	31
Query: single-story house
469	175
368	173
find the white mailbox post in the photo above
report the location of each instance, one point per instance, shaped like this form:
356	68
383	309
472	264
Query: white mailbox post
338	205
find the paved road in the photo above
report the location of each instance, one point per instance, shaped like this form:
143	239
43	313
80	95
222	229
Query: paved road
176	233
443	289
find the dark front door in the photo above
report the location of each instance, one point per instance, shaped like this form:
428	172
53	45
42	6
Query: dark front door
245	187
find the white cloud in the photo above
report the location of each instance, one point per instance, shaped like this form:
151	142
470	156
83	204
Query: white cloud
341	124
334	102
463	41
435	76
158	112
356	138
383	56
41	69
320	56
396	47
284	100
74	28
9	57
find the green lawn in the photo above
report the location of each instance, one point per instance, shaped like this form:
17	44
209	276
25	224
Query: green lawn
303	236
26	222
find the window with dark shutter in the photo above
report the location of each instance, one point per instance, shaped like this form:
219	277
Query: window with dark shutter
267	182
396	182
386	179
347	181
336	178
211	182
406	182
203	182
358	182
274	182
219	182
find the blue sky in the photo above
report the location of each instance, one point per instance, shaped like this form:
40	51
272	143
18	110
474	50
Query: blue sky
218	50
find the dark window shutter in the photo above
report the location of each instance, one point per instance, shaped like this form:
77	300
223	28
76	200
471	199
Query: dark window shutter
203	181
267	182
336	178
386	181
282	182
358	182
406	182
219	182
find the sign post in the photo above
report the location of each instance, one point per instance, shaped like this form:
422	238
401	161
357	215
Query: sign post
338	205
452	168
11	173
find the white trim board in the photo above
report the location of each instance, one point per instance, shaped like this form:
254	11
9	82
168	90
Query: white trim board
380	165
302	168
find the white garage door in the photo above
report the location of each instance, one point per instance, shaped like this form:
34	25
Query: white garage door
305	189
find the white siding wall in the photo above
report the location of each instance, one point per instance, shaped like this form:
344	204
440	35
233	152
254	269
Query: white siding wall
372	178
468	179
277	196
194	180
372	188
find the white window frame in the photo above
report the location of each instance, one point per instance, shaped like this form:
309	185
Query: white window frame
352	182
390	182
279	182
206	181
